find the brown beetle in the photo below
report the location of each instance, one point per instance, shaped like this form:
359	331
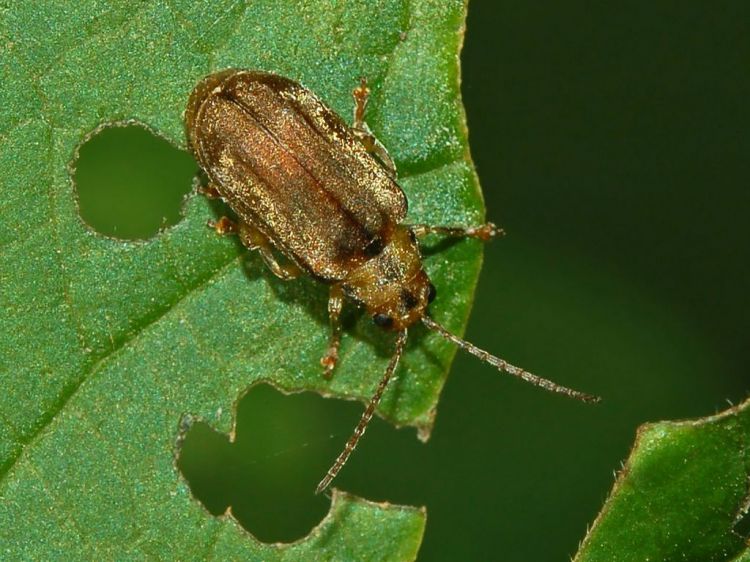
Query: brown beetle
324	195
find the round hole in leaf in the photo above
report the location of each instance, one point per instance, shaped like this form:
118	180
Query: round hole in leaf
130	183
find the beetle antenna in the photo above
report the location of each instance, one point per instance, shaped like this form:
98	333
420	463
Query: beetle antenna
506	367
359	431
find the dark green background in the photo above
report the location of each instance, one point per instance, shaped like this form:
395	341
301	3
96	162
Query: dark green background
612	144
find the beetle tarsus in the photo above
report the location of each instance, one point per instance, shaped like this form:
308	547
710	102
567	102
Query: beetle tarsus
363	133
209	192
361	94
223	226
483	232
335	304
328	361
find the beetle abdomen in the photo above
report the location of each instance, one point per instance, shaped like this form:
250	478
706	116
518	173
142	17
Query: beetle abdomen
287	164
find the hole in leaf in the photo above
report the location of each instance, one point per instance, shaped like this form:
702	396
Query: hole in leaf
131	183
283	445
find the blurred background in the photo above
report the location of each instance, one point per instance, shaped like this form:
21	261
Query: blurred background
611	140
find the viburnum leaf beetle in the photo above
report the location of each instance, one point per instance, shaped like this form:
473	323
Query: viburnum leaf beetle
324	195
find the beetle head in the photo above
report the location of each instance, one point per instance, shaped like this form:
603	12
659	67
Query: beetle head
392	285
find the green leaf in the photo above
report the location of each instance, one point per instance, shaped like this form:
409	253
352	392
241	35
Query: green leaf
109	345
680	495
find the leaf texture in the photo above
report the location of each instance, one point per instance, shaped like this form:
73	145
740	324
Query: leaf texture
681	494
108	345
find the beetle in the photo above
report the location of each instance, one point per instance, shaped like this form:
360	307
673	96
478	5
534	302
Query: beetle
324	195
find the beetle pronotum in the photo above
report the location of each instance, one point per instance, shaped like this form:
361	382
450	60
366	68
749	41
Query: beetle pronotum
324	195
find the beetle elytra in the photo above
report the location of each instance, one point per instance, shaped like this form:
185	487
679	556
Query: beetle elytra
324	195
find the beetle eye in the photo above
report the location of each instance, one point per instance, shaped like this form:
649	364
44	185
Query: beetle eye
383	320
431	293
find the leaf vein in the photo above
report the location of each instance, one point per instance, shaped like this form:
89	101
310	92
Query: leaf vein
72	389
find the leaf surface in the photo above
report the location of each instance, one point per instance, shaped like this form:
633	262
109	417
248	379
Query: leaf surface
109	345
680	496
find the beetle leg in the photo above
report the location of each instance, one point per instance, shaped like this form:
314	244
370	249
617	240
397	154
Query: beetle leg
223	226
483	232
363	133
335	303
254	239
285	271
361	94
209	191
